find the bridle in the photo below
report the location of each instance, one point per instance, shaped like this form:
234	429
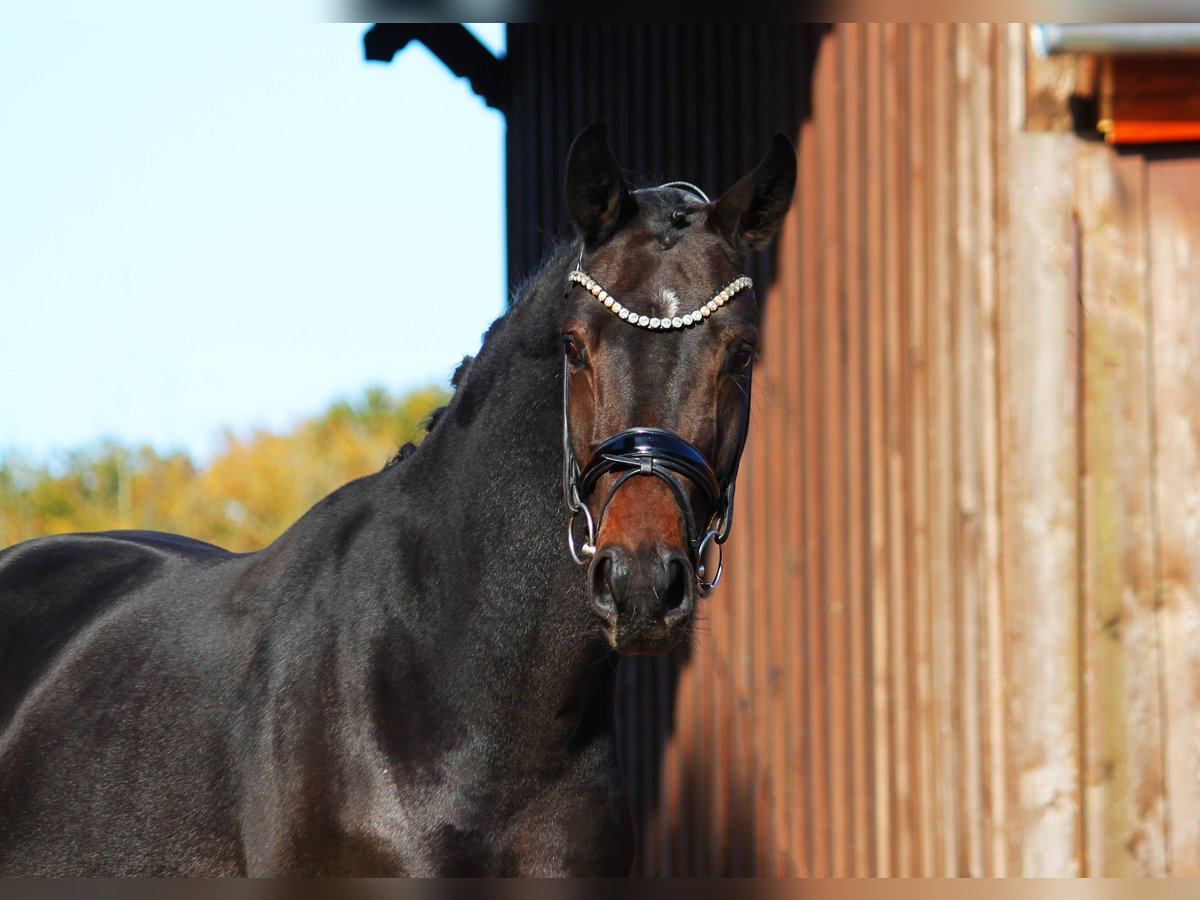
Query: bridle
657	452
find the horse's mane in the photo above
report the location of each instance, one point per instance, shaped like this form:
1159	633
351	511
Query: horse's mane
497	334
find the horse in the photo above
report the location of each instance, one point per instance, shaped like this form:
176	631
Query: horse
417	676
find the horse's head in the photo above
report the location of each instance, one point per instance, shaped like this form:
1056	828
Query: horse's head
660	334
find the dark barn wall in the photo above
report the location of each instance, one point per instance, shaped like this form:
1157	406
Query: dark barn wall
691	102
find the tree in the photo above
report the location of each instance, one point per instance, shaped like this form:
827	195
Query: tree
248	493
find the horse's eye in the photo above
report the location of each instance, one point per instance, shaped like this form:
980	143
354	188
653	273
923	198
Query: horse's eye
742	359
572	350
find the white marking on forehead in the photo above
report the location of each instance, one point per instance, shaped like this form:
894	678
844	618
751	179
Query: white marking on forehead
670	302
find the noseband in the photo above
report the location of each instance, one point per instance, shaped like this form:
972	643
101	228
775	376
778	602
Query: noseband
650	451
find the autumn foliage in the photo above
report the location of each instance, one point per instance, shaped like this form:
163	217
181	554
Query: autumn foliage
254	487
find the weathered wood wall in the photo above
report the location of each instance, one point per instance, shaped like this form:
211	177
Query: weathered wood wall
960	631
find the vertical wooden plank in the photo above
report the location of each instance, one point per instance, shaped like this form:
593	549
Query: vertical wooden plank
880	598
815	763
782	360
1123	740
879	584
963	627
743	834
703	758
722	723
706	759
683	802
756	582
728	778
903	826
795	794
858	773
973	369
802	461
832	683
945	793
765	564
795	791
916	446
991	284
789	367
1039	329
1174	186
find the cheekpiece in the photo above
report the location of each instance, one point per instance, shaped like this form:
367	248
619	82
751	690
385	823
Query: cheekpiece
695	317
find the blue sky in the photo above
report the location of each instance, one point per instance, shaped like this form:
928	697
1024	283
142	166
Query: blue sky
211	227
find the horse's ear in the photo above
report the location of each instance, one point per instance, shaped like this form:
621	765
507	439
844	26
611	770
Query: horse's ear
597	196
750	213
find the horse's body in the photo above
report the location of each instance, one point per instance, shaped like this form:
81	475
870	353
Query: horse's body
386	688
405	682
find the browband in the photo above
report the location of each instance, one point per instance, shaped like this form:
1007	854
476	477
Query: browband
666	323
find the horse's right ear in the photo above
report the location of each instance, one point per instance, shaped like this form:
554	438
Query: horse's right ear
597	196
750	213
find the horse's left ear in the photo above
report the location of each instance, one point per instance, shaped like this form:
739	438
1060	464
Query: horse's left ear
750	213
597	196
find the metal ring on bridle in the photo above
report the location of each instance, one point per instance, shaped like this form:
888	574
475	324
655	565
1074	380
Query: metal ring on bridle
701	568
589	546
724	515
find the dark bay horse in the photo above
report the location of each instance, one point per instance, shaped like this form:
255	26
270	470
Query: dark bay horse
415	677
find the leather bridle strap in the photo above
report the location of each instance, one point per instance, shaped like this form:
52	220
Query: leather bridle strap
657	452
646	450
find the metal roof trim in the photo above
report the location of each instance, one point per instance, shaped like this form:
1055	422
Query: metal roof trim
1141	38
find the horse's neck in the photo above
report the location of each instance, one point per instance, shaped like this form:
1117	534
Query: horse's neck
519	644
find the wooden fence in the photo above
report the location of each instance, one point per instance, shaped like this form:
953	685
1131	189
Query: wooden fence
960	628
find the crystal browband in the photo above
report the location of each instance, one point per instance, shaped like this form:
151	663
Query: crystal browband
727	293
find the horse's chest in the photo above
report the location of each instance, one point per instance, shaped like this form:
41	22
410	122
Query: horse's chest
573	828
576	823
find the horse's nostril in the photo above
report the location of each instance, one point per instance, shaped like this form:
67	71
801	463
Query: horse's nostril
677	586
602	592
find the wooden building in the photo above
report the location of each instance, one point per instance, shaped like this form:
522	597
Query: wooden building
960	627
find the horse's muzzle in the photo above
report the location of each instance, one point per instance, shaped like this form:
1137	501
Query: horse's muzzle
644	597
